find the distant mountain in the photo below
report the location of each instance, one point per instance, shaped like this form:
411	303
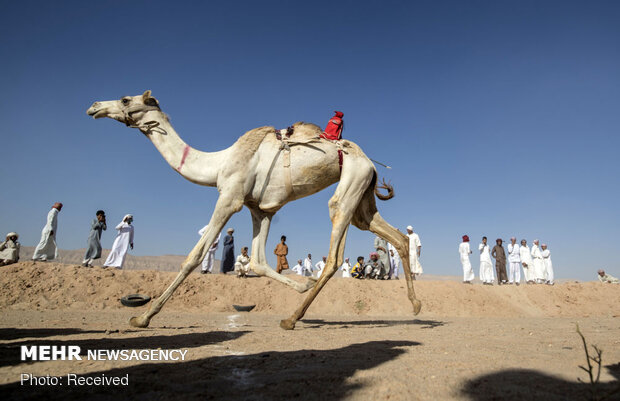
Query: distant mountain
166	263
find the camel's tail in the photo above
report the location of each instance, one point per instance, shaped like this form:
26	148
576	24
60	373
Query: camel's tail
384	185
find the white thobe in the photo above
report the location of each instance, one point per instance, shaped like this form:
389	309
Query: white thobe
46	249
414	261
546	254
319	267
486	265
394	260
123	239
346	270
307	267
464	252
298	269
242	266
514	258
209	260
528	270
539	264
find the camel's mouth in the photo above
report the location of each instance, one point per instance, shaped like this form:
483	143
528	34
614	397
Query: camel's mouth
94	113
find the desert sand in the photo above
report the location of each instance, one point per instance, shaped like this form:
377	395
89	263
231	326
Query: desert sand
358	341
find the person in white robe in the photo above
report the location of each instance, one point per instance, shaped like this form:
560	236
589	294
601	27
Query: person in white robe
47	249
538	262
346	269
415	251
242	265
298	268
209	260
394	261
546	254
486	265
526	262
122	243
308	267
464	252
607	278
514	259
320	266
9	249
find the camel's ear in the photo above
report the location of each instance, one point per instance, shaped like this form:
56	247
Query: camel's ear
148	100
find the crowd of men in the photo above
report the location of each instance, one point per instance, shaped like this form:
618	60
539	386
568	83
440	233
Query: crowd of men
535	262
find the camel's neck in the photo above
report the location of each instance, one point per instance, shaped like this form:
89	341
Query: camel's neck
194	165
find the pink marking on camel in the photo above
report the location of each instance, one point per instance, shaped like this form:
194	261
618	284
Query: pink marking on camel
185	152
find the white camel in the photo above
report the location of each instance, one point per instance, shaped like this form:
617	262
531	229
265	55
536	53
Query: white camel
264	170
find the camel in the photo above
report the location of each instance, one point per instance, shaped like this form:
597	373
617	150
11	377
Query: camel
263	170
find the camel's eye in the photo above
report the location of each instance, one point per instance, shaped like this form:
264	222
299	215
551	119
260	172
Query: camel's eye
125	100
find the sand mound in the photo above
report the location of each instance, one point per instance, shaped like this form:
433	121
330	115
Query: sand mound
49	286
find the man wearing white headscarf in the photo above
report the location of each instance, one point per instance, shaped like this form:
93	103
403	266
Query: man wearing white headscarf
464	252
209	260
394	261
298	268
539	264
46	249
546	254
415	251
346	269
9	249
122	243
228	253
308	269
526	262
514	258
486	265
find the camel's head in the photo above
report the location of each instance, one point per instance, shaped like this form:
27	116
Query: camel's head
129	109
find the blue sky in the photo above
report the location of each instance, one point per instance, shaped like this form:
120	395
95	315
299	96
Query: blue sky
499	118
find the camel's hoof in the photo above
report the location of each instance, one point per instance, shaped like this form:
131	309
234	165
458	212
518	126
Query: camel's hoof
139	322
287	324
417	306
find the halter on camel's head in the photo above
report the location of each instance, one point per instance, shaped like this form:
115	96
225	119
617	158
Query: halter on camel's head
129	110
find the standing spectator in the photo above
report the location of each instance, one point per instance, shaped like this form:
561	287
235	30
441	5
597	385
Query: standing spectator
122	243
209	260
539	264
358	270
346	268
298	268
281	251
526	262
381	249
415	250
242	266
514	258
320	266
546	254
464	252
607	278
93	243
486	265
308	269
500	262
228	254
394	261
46	249
9	249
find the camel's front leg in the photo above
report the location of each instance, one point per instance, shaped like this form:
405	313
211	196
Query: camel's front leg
261	222
224	208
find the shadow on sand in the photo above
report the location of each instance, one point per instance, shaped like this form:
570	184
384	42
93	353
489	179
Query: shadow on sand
426	324
13	333
302	375
10	353
522	384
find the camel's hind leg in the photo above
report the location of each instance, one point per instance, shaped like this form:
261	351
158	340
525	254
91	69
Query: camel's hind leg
367	217
224	208
258	260
341	208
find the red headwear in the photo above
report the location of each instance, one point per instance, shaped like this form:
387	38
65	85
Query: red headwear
465	238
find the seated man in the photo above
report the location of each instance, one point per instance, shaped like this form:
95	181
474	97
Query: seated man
606	278
358	270
9	249
242	266
374	267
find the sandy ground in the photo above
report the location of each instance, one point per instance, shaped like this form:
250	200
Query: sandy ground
358	341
